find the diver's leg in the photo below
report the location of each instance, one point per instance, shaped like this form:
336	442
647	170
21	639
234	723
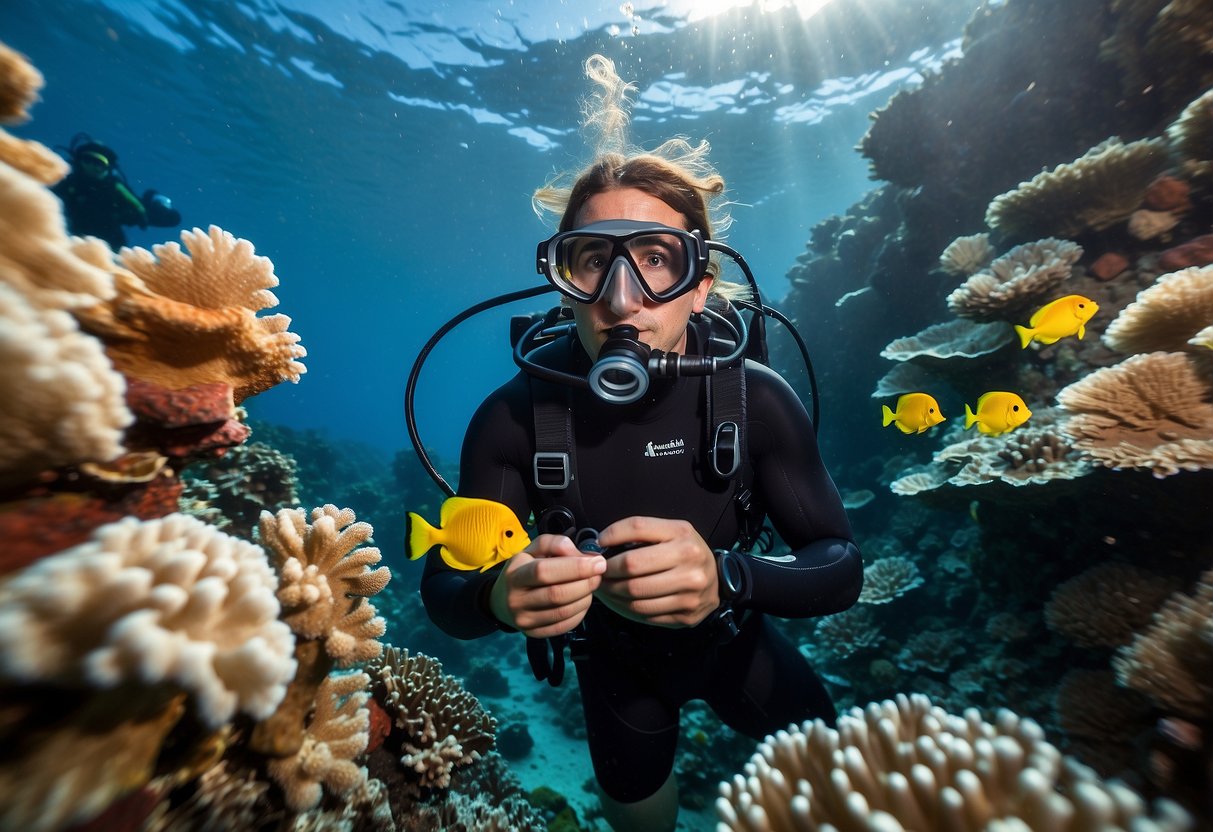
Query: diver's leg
762	684
632	734
656	813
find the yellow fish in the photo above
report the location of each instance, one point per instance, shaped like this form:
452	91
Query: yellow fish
997	413
473	534
1058	319
915	413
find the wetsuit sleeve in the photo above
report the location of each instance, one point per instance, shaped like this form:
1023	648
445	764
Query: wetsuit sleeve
491	467
128	207
823	573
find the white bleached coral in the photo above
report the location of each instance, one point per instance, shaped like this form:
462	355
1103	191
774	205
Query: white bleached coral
52	374
1191	136
160	601
1165	315
1152	411
326	579
1099	189
908	764
337	733
1017	282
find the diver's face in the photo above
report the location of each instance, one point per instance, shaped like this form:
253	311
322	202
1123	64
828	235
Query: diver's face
662	326
92	168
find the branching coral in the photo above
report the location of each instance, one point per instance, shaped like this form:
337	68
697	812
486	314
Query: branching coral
19	85
1191	136
182	319
1016	282
326	582
336	734
1101	188
1105	605
1166	315
966	255
1150	411
1172	661
445	726
960	338
908	764
887	579
170	600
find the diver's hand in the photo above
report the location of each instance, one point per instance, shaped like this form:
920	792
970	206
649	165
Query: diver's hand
668	581
546	589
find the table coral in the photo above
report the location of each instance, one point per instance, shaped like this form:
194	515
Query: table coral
908	764
1151	411
887	579
966	255
180	319
1096	191
939	343
1016	283
1165	315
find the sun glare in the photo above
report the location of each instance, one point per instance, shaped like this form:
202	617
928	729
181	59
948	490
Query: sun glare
710	8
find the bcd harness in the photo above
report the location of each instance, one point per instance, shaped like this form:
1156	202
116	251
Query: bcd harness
554	474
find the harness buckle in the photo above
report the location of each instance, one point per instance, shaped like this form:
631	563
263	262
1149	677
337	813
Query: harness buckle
552	470
726	449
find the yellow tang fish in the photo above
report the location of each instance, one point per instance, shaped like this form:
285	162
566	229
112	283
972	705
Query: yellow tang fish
997	413
473	534
915	413
1058	319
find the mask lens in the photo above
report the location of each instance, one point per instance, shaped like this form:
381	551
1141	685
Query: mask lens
579	263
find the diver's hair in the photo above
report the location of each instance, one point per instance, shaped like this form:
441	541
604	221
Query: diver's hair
677	172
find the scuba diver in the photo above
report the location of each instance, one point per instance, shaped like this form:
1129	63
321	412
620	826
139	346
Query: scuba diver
650	462
97	199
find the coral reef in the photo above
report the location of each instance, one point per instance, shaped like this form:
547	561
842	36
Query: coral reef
908	764
1096	191
1106	604
1166	315
1017	282
204	304
955	339
887	579
443	726
1191	136
1171	662
1150	411
966	255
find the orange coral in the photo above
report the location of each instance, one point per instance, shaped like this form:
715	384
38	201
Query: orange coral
182	319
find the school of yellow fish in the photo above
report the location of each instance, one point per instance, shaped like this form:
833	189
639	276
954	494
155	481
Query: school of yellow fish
998	411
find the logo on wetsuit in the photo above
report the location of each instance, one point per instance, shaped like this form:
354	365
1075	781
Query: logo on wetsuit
671	448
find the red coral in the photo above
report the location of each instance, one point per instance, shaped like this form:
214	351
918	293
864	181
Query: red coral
199	404
1166	193
1108	265
381	725
1196	252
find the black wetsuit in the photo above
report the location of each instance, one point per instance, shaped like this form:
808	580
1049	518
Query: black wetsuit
99	207
647	459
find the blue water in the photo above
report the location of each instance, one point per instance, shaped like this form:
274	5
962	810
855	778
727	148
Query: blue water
382	155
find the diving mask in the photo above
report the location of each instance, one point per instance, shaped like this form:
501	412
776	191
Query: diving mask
665	262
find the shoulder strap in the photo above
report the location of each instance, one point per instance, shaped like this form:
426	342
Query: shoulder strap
553	467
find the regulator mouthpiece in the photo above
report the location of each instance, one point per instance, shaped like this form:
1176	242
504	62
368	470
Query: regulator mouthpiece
621	373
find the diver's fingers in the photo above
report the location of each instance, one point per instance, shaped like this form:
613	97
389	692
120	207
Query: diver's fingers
637	529
553	621
553	571
552	545
668	583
